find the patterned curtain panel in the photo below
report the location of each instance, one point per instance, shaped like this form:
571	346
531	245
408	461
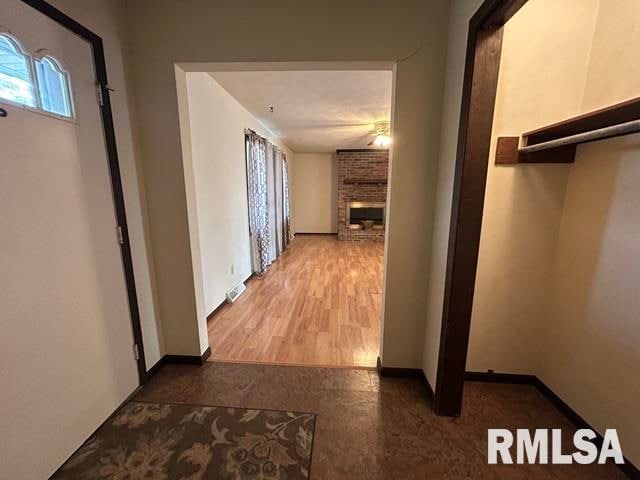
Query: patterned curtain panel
257	192
288	236
279	211
271	202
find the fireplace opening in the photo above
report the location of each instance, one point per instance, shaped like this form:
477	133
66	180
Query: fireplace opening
365	215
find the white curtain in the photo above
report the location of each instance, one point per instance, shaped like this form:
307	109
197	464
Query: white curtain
257	192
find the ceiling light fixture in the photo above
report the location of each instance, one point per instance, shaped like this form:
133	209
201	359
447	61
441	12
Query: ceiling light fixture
382	135
382	140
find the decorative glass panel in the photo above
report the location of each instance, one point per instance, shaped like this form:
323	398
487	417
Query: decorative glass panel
53	83
15	73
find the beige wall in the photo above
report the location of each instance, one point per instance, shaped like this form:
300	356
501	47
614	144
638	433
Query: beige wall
589	351
613	67
216	125
412	34
556	291
461	13
591	333
316	193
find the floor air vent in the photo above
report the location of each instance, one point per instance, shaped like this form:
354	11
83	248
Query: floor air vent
235	292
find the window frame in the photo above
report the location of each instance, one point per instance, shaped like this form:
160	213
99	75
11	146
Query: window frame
17	44
34	80
68	91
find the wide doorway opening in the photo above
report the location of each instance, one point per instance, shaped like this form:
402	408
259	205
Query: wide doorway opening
286	177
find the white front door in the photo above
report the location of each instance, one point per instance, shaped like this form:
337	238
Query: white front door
66	344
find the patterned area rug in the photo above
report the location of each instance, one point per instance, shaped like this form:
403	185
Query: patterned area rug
153	441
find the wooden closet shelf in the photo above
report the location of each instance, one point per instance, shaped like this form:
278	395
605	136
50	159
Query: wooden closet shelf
557	143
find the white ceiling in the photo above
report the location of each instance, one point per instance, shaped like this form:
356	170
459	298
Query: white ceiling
314	111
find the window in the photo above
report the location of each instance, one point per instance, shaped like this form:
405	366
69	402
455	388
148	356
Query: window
16	80
53	84
40	83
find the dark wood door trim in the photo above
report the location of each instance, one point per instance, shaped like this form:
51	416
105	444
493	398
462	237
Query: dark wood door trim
482	64
100	66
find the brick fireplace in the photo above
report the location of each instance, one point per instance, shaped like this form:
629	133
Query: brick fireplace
362	194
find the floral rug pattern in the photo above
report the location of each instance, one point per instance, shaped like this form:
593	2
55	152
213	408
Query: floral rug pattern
152	441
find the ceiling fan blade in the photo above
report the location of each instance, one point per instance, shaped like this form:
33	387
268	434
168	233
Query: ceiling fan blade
358	138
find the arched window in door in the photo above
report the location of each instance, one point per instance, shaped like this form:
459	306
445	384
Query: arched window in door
16	74
41	83
53	86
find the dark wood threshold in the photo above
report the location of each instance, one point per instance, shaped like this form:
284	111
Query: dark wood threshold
628	468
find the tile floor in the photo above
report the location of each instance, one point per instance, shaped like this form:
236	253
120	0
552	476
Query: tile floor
379	428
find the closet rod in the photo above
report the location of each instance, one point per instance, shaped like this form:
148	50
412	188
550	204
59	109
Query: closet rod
598	134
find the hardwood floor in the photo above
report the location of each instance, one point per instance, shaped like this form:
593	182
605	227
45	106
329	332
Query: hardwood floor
319	304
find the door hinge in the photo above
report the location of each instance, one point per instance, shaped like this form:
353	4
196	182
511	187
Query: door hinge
120	235
136	351
99	94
